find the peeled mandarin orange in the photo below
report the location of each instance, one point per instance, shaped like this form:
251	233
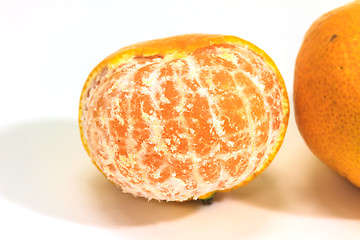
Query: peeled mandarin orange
327	90
180	118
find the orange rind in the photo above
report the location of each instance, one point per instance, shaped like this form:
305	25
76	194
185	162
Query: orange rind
327	90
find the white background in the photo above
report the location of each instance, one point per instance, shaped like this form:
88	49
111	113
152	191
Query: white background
50	190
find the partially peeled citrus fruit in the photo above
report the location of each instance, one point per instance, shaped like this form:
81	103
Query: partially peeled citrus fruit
180	118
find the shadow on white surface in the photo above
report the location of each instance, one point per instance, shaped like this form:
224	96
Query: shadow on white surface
44	168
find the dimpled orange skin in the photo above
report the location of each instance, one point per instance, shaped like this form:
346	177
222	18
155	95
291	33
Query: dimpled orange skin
327	90
180	118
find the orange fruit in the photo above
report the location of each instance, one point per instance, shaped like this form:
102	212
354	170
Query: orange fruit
180	118
327	90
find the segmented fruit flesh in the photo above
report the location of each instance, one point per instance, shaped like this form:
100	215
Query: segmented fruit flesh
175	128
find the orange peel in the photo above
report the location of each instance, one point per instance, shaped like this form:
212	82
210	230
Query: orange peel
327	90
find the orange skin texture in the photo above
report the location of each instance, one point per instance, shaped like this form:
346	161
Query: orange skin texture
327	90
94	111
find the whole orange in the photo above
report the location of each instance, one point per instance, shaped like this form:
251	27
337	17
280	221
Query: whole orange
182	117
327	90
